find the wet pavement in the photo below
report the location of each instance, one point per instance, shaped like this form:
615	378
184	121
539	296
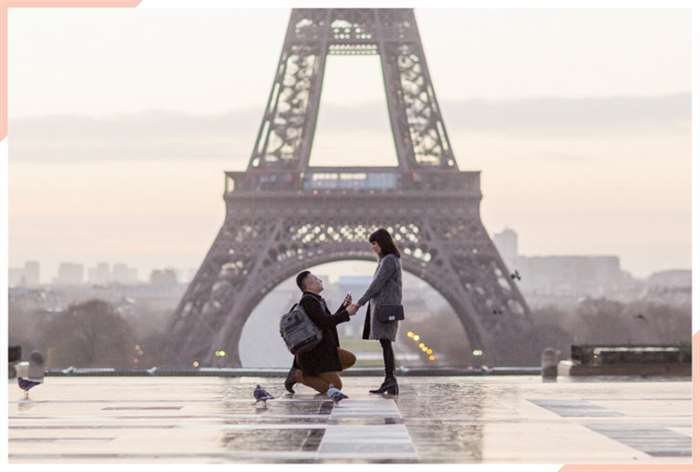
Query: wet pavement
498	419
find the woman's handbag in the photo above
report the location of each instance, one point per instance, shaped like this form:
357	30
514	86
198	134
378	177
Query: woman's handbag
389	313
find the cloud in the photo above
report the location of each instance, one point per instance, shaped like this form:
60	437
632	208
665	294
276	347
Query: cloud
159	134
617	113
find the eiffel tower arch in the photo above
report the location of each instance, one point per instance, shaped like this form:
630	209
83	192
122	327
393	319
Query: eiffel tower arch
283	216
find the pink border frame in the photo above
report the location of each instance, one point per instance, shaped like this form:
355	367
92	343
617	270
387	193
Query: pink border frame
6	4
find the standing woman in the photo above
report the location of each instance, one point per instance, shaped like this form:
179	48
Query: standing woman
384	309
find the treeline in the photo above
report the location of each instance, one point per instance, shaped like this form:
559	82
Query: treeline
97	334
592	321
91	334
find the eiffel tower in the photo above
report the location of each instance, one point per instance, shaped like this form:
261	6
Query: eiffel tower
283	216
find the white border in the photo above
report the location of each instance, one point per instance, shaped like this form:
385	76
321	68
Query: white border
4	269
695	168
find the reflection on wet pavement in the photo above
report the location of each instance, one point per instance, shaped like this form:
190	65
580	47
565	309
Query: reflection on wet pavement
266	440
428	406
435	419
653	440
575	408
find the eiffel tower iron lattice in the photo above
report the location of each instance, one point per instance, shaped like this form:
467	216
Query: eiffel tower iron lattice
283	216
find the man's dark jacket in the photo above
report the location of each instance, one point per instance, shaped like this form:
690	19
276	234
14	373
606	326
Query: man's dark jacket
323	357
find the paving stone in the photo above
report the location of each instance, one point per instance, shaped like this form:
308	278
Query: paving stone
435	420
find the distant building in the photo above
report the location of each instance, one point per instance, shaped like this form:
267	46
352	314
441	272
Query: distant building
120	273
325	280
347	282
354	284
507	244
163	278
419	308
32	273
189	274
70	274
16	277
100	275
28	276
673	287
678	278
570	275
123	274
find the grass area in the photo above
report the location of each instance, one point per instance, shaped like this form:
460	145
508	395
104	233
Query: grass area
358	346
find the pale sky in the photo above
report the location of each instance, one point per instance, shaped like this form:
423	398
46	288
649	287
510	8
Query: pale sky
98	61
151	195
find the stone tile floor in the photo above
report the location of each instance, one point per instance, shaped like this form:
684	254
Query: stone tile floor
498	419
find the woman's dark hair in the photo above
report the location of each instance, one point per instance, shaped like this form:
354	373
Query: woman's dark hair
386	244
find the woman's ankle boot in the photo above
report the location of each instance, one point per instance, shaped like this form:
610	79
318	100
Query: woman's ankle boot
381	387
391	387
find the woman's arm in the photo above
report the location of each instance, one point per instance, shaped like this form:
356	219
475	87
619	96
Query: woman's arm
318	315
386	270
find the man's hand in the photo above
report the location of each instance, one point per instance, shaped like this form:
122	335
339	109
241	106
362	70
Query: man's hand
348	300
352	309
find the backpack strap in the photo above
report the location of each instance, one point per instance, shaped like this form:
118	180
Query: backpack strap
322	302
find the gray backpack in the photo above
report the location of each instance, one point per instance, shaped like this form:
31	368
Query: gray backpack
298	331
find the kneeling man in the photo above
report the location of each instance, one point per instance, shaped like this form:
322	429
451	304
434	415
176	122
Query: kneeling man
319	368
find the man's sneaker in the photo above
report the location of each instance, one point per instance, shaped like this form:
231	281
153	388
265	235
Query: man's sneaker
289	381
335	394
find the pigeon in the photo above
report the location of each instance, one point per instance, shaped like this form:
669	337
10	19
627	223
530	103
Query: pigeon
152	370
30	374
335	394
515	275
261	395
26	385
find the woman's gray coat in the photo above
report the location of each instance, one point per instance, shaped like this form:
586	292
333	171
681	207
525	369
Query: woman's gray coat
385	289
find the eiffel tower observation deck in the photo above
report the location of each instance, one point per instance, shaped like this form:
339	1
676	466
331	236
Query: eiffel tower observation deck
284	216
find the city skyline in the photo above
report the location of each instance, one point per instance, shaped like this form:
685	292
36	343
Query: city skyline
333	270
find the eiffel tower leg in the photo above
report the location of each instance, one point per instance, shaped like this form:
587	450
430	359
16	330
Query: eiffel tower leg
489	298
216	304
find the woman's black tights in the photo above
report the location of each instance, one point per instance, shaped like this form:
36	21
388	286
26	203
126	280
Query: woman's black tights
388	352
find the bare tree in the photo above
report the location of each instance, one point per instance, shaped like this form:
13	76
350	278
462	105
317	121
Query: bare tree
89	334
